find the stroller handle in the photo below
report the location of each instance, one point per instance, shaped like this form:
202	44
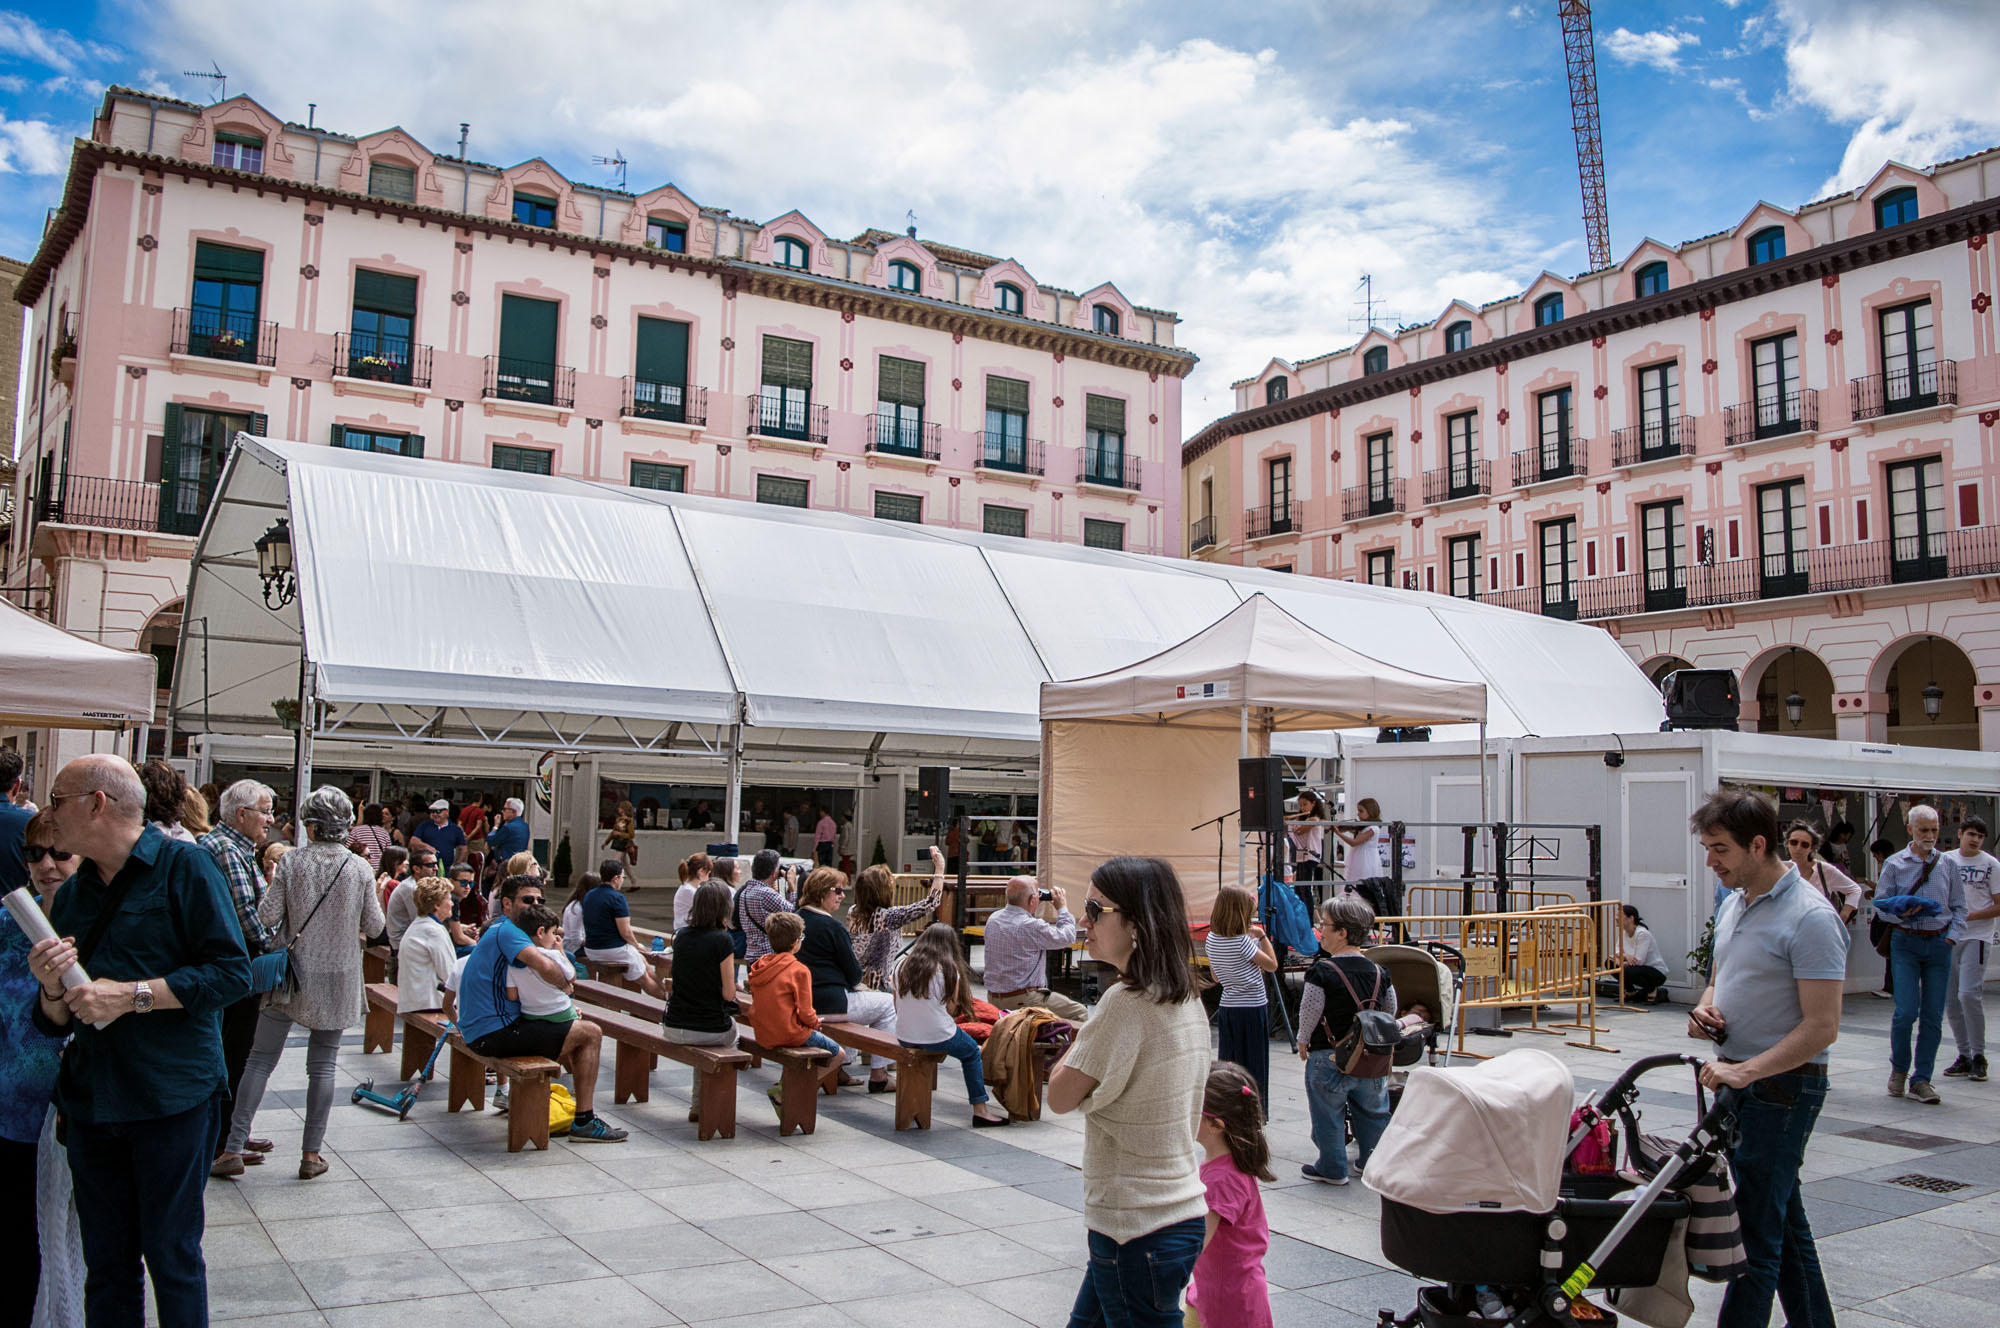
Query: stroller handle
1441	947
1621	1092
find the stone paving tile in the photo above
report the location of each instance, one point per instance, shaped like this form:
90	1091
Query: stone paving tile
1043	1299
255	1291
822	1189
607	1302
1931	1307
513	1263
1067	1191
666	1244
891	1221
400	1192
1289	1309
920	1179
1018	1169
834	1272
368	1279
237	1245
1061	1238
302	1319
274	1198
1002	1207
792	1231
304	1238
972	1256
465	1310
714	1202
1894	1200
810	1316
732	1289
581	1214
1294	1264
453	1226
960	1309
1828	1218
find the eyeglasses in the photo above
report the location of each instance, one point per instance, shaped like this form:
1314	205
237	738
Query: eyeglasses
527	901
56	799
36	852
1093	910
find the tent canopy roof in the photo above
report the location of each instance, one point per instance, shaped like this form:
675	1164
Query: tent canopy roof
1259	655
49	676
558	612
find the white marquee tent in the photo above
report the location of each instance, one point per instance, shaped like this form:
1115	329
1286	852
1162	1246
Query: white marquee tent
49	677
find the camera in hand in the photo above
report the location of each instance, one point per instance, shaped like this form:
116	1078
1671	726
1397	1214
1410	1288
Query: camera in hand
1046	895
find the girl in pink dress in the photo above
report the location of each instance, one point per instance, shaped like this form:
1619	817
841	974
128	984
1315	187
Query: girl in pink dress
1228	1289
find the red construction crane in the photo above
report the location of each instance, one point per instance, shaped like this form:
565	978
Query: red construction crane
1580	50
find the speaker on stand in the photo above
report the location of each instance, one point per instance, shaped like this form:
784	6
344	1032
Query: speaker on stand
1701	699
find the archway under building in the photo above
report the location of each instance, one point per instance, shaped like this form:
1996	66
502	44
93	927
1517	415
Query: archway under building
1916	665
1659	667
160	638
1794	691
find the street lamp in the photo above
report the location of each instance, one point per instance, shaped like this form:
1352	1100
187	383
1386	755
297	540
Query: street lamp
1795	705
274	566
1933	694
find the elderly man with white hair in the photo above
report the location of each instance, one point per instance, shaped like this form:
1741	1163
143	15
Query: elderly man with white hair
1018	941
508	836
243	822
150	920
1921	895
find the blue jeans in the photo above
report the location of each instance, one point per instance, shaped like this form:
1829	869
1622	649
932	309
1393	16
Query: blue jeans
1775	1119
1333	1100
825	1043
1922	965
960	1047
138	1197
1138	1284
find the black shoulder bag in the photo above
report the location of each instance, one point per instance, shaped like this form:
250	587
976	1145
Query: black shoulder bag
1368	1048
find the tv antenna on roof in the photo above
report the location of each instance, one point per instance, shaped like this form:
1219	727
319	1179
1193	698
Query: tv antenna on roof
220	79
1369	305
617	162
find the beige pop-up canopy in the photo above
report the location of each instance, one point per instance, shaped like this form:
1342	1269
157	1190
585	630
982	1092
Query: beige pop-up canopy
1135	759
49	677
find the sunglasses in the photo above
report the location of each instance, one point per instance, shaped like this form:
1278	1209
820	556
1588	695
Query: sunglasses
527	901
36	852
1093	910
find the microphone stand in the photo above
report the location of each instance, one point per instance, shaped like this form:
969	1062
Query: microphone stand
1217	822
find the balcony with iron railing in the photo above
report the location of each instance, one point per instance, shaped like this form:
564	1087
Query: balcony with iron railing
1201	534
1552	461
1463	478
673	403
1016	456
905	436
1904	388
534	382
378	359
1970	551
789	416
89	500
1109	470
210	334
1773	415
1656	440
1376	498
1274	519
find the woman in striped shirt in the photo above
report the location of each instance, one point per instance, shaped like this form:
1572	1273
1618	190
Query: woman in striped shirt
1239	955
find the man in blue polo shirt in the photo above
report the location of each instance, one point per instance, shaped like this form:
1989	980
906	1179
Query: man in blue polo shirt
493	1025
509	836
1773	1009
441	832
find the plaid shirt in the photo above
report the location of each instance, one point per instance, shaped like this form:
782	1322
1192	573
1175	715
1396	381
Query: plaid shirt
237	857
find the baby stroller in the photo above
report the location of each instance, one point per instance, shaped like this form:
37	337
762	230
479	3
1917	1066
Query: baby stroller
1476	1193
1420	975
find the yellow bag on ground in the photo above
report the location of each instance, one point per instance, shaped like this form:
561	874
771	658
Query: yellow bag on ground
562	1110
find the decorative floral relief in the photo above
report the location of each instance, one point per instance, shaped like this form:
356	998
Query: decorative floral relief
148	243
599	321
460	298
310	272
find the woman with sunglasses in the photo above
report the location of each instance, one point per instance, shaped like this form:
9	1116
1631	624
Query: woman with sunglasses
828	953
1137	1071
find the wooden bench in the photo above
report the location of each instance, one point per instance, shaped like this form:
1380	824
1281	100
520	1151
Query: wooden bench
378	1028
801	1070
529	1077
639	1040
916	1069
375	963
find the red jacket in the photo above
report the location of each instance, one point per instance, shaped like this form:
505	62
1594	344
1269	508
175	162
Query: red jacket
781	1001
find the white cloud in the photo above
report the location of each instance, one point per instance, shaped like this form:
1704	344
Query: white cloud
1661	48
53	48
1915	79
31	147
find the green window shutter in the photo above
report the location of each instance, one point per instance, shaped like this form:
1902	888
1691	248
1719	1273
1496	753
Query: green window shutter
1104	414
526	460
1103	534
413	445
651	475
221	262
662	354
1010	394
528	329
259	425
901	382
788	363
170	462
385	293
340	435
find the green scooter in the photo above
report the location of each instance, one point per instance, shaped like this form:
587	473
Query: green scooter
403	1101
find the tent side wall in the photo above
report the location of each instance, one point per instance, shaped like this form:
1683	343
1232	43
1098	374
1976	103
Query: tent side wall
1111	789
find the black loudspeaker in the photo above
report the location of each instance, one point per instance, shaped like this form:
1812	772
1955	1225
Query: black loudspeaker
1416	733
1701	699
933	792
1260	783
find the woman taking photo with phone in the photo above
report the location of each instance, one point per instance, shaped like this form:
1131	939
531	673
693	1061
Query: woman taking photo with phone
1137	1071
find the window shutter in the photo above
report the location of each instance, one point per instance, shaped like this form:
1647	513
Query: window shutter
340	435
527	329
385	292
902	382
788	363
221	262
386	180
1009	394
1104	414
413	445
259	425
662	354
170	463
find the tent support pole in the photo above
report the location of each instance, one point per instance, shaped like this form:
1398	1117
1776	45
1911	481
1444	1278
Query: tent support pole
1242	866
302	783
732	806
1485	818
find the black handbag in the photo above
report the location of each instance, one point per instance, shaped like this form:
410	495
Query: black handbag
1367	1049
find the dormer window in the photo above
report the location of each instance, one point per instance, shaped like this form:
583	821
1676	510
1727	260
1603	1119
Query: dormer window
534	210
671	236
239	152
1007	298
904	276
1375	360
1458	336
1276	390
792	252
1105	319
1652	279
1898	207
1767	245
388	180
1549	309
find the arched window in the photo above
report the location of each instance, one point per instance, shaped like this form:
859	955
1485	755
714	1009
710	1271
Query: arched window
1549	309
792	252
1375	360
1653	279
1458	336
1767	245
1276	390
1105	319
1007	298
904	276
1895	208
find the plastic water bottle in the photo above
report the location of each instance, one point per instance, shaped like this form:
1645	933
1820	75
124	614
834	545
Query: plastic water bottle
659	944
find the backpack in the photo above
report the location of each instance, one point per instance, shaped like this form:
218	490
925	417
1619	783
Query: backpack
1285	916
737	936
1368	1048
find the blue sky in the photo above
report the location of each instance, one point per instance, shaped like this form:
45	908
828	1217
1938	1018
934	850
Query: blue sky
1241	165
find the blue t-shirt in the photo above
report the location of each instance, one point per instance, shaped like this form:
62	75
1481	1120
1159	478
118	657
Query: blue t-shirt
602	908
447	839
13	831
483	1006
504	841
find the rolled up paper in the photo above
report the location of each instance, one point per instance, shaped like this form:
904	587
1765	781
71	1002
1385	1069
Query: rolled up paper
28	916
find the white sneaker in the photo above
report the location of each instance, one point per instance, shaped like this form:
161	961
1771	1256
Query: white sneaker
500	1100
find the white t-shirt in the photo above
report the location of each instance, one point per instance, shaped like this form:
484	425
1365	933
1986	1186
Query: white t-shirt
684	904
572	925
1644	950
537	997
1364	860
1977	873
923	1019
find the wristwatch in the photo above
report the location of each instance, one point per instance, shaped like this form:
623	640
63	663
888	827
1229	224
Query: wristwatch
142	998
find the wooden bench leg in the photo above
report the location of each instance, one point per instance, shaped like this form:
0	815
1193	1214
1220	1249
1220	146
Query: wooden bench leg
417	1046
468	1082
798	1097
378	1031
632	1074
914	1084
528	1114
715	1101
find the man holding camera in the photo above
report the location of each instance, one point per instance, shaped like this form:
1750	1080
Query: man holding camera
1018	942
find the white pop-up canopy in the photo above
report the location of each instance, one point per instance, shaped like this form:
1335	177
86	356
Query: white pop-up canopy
49	677
1142	760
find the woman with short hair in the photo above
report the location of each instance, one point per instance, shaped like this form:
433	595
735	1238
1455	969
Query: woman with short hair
1137	1070
426	957
1340	983
372	837
701	1005
839	997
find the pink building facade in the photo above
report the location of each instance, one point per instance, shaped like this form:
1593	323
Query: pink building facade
214	269
1774	450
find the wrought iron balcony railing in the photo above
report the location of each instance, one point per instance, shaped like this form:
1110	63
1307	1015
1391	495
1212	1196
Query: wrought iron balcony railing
1904	388
539	382
1775	415
1022	456
900	435
1658	440
1461	479
675	403
214	335
1375	498
382	359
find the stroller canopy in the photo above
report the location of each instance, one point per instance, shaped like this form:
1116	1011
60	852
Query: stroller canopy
1491	1137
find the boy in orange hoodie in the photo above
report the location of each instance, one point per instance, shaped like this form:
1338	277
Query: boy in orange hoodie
781	1005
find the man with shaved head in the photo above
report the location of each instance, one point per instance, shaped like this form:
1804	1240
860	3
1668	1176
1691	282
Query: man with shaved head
151	921
1018	942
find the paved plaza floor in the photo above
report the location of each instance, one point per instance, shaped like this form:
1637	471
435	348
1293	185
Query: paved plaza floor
431	1221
